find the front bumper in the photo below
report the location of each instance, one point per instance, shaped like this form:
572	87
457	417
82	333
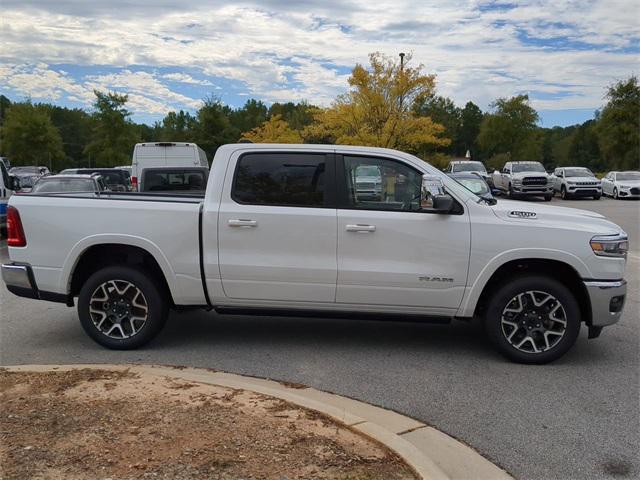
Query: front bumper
607	301
584	191
532	189
21	282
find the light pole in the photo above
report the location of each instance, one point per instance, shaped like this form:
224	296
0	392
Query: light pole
400	79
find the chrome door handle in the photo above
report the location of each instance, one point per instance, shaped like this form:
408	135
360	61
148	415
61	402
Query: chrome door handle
241	222
360	228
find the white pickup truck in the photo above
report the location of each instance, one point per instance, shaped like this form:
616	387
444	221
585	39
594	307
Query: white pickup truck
282	230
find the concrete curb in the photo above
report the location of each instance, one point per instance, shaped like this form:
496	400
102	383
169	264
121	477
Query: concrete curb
431	453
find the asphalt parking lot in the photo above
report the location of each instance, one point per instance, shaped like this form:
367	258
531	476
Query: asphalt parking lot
576	418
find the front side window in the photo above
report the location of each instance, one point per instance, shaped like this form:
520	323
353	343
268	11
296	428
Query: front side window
280	179
381	184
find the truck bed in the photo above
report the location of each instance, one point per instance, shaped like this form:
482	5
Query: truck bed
59	227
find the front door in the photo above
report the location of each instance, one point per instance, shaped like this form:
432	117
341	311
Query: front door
277	227
391	253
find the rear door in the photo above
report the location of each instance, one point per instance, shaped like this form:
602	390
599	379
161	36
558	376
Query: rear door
277	227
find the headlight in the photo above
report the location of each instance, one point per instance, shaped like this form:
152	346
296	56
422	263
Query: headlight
607	246
517	181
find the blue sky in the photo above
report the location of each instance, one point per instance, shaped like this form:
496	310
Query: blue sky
169	54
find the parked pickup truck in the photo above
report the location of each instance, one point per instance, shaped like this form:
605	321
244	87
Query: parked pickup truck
281	229
524	179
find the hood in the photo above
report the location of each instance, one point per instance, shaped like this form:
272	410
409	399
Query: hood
564	217
628	183
582	179
529	174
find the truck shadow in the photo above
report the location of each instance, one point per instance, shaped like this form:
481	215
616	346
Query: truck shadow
196	329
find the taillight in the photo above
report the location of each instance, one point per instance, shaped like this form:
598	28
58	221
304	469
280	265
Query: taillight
134	183
15	232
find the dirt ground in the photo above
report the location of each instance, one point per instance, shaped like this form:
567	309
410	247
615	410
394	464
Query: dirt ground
102	424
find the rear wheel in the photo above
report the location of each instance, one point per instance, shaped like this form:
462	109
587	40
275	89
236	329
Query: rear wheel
533	319
121	307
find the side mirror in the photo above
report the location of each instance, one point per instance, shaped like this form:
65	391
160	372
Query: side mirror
442	203
432	196
14	183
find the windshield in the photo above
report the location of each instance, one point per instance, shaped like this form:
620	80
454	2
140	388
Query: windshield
628	176
528	167
577	172
57	185
18	170
469	167
477	186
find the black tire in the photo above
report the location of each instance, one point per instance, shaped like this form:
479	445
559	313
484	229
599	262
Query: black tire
504	298
510	193
615	193
152	296
547	198
563	193
597	197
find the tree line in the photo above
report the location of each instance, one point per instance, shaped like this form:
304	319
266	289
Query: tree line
387	104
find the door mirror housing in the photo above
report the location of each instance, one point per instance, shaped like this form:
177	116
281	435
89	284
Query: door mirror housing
432	196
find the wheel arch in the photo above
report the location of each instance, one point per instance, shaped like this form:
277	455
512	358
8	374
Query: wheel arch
99	253
559	270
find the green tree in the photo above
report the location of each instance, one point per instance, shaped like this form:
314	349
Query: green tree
114	135
619	125
443	110
252	114
511	131
297	115
470	118
75	127
213	127
177	126
584	149
29	137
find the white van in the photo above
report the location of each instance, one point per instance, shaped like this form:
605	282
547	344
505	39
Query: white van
165	154
6	189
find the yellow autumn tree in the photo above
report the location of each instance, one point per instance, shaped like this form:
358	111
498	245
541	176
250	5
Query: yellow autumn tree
378	110
274	130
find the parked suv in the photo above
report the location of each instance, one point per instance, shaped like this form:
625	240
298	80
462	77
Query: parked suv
576	182
117	180
524	179
469	166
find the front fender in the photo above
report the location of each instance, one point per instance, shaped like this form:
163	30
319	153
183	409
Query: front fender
474	288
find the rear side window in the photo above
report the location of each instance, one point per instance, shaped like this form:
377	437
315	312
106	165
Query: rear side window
280	179
173	180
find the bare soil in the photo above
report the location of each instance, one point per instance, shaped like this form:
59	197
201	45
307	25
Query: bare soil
104	424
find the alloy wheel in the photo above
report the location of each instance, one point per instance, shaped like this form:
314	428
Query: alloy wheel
118	309
534	321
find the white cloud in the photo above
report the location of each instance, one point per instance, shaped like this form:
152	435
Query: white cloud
285	51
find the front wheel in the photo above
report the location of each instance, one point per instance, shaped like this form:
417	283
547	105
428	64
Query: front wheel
122	307
563	193
533	319
597	197
615	194
547	198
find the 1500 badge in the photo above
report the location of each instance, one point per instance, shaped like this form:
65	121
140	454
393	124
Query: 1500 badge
426	278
